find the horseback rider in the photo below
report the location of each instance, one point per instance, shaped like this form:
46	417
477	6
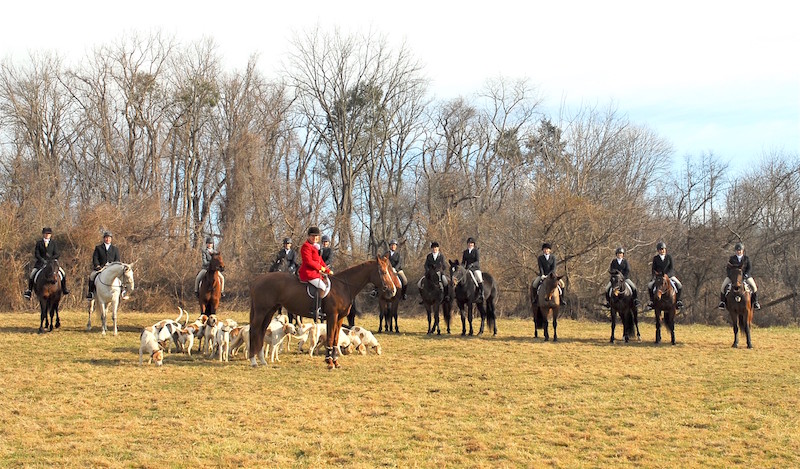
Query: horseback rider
312	269
620	264
326	251
547	264
397	265
207	253
104	254
288	255
45	250
435	260
471	260
662	262
740	259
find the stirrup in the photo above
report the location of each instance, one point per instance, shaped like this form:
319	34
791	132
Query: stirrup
27	294
721	305
126	296
757	305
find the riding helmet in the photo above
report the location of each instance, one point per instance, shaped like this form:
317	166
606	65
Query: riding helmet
209	240
471	240
47	230
738	247
546	246
434	244
313	231
620	250
107	234
287	241
326	238
660	246
393	241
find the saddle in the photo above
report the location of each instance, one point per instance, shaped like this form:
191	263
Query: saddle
39	271
746	288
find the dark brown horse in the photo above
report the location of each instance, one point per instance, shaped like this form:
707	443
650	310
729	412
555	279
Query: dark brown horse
664	301
465	292
271	290
737	302
47	286
387	309
211	286
434	296
546	305
622	305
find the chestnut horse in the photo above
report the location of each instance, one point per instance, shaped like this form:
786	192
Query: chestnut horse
622	305
47	286
387	309
737	302
210	286
465	292
274	289
664	301
546	305
433	297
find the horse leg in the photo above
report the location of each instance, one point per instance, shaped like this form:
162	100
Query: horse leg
103	309
670	319
482	312
448	316
91	310
469	316
746	327
735	319
555	324
613	324
428	310
114	306
52	310
58	318
393	307
463	319
636	323
544	327
658	326
42	316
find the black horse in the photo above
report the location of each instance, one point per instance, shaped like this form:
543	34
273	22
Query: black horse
435	295
622	304
47	286
466	293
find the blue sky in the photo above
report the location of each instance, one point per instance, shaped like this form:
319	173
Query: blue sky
719	77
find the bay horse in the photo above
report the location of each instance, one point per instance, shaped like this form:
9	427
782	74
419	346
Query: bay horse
738	304
433	297
466	293
664	301
546	301
211	286
387	309
108	286
622	304
47	286
275	289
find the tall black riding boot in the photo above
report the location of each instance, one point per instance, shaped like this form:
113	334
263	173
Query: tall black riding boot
481	295
636	302
90	295
64	289
29	291
608	300
403	290
721	304
678	302
754	297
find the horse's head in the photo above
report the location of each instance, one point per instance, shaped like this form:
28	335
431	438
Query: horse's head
432	274
662	285
386	278
736	277
50	271
457	272
216	263
127	276
617	282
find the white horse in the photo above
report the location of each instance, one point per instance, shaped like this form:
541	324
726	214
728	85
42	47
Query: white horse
108	285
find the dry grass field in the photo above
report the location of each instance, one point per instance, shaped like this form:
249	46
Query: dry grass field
78	399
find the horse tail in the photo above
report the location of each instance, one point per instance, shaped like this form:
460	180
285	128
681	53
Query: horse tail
257	330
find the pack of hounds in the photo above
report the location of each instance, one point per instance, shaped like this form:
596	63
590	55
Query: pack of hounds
223	339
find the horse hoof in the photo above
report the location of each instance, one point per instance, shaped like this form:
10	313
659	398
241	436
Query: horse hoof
58	325
41	330
336	364
612	340
749	345
735	345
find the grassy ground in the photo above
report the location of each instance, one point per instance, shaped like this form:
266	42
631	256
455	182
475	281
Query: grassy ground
73	398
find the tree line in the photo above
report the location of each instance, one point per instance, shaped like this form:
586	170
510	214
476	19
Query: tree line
157	142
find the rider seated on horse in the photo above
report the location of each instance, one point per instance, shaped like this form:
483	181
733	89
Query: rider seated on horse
396	261
471	260
207	253
435	261
740	259
104	254
547	264
45	250
620	264
287	255
326	251
662	264
312	269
